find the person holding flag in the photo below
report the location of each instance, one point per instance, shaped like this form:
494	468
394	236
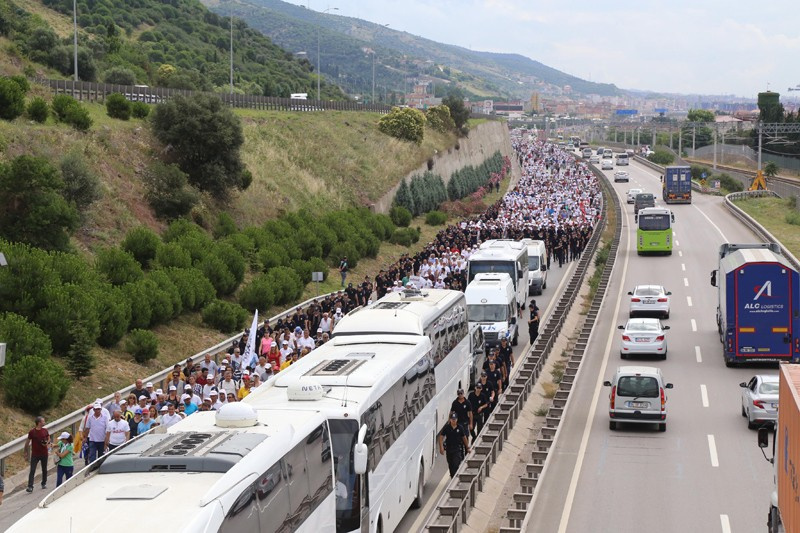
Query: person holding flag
250	356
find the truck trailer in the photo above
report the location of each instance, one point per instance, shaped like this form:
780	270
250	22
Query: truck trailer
784	509
758	307
677	186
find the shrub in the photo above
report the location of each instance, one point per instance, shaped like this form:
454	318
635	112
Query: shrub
303	269
233	260
258	294
142	345
439	118
140	110
194	288
225	226
218	274
170	291
400	216
61	104
118	266
405	236
143	244
138	295
168	191
286	284
114	311
35	384
224	316
81	184
80	360
344	249
38	110
117	106
407	124
173	254
319	265
12	99
730	184
69	304
793	217
273	256
23	338
661	157
78	117
22	82
119	76
435	218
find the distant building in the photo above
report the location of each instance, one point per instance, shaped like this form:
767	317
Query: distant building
510	107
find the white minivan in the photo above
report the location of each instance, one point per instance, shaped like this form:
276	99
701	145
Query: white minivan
638	396
537	266
492	304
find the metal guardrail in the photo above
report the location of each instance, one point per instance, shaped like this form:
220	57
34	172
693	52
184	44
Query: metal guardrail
524	500
71	421
460	495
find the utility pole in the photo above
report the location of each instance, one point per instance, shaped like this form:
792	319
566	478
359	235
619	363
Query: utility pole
75	35
373	77
231	48
694	134
319	61
715	148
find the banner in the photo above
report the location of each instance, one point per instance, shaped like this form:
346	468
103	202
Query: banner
249	354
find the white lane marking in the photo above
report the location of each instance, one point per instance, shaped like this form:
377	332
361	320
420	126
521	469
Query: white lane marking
677	243
712	450
673	233
689	301
704	395
576	472
694	325
697	354
680	254
725	523
683	267
685	282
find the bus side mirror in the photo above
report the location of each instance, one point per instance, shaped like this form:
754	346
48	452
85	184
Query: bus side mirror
763	437
360	452
713	278
672	217
636	218
606	384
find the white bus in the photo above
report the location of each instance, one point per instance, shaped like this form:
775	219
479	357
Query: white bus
502	255
341	441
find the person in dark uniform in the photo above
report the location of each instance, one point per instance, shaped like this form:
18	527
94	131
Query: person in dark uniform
453	440
506	357
490	391
533	326
463	409
480	405
495	377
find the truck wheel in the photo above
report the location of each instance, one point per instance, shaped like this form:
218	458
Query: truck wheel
612	425
662	427
730	364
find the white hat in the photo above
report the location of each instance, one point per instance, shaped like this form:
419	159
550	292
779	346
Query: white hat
143	397
187	386
64	435
206	399
285	342
123	402
159	391
246	373
149	384
97	405
165	408
210	376
173	387
213	392
186	397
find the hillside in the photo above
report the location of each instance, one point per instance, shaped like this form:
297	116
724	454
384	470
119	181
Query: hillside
342	39
179	44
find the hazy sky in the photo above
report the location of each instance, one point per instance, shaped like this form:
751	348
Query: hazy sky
698	46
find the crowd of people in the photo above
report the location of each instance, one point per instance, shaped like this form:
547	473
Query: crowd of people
556	200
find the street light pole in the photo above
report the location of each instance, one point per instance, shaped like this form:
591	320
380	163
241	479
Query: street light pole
319	61
75	35
373	69
231	48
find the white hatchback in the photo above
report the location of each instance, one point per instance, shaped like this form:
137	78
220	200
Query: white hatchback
638	395
631	195
643	336
649	300
594	158
621	175
607	164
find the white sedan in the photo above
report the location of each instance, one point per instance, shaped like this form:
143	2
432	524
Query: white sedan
594	158
632	194
649	300
643	336
621	175
607	164
760	400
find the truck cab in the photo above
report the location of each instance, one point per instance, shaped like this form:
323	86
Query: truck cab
492	305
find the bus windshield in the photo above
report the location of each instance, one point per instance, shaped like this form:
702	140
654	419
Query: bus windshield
491	267
487	313
658	222
347	484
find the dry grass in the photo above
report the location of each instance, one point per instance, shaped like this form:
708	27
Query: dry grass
771	213
549	389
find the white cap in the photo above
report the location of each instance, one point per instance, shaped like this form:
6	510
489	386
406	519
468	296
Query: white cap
285	342
64	435
143	397
206	399
210	376
173	387
97	406
213	392
149	384
187	386
159	391
123	402
165	408
186	397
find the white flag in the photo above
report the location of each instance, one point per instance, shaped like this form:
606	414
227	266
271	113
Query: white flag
250	349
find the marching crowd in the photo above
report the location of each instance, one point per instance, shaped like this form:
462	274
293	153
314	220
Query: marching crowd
556	200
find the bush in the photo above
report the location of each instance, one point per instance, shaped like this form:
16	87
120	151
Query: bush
168	191
38	110
286	284
435	218
70	317
272	256
439	118
400	216
142	345
23	338
170	291
303	269
319	265
80	360
118	266
35	384
193	287
117	106
143	244
225	226
81	184
730	184
114	311
344	249
661	157
405	236
119	76
258	294
173	254
139	294
61	105
225	317
22	82
78	117
218	274
12	99
140	110
407	124
793	217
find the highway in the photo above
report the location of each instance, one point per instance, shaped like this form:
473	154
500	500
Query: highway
705	473
414	519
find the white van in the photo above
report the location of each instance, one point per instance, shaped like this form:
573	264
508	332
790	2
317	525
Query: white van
537	266
622	159
502	255
638	396
492	304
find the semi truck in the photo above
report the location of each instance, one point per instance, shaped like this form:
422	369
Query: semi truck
784	508
758	312
677	186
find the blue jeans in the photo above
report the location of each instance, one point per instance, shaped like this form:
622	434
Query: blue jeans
96	450
63	473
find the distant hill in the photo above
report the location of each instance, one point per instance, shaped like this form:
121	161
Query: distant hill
142	35
399	54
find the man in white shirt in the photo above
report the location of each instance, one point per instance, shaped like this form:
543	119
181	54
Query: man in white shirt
209	364
285	351
118	431
187	389
325	324
236	359
216	405
210	383
94	432
261	368
306	341
227	385
171	417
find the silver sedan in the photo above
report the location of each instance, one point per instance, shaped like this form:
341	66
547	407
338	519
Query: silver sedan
760	400
649	300
643	336
632	194
621	175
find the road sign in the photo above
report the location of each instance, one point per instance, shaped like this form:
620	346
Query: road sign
661	110
627	112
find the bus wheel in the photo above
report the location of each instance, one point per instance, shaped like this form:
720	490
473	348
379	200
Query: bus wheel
417	503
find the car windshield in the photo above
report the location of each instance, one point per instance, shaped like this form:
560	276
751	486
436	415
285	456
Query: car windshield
533	263
638	387
768	387
647	291
650	327
487	313
634	192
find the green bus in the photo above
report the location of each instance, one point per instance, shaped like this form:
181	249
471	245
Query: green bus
654	230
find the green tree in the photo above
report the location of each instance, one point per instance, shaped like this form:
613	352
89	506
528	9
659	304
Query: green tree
206	138
117	106
35	384
700	115
118	266
81	184
142	345
119	76
38	110
168	191
458	111
12	99
23	338
80	360
771	169
142	243
32	209
439	118
406	124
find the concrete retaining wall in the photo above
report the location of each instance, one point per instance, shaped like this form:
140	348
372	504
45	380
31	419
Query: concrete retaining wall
484	140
